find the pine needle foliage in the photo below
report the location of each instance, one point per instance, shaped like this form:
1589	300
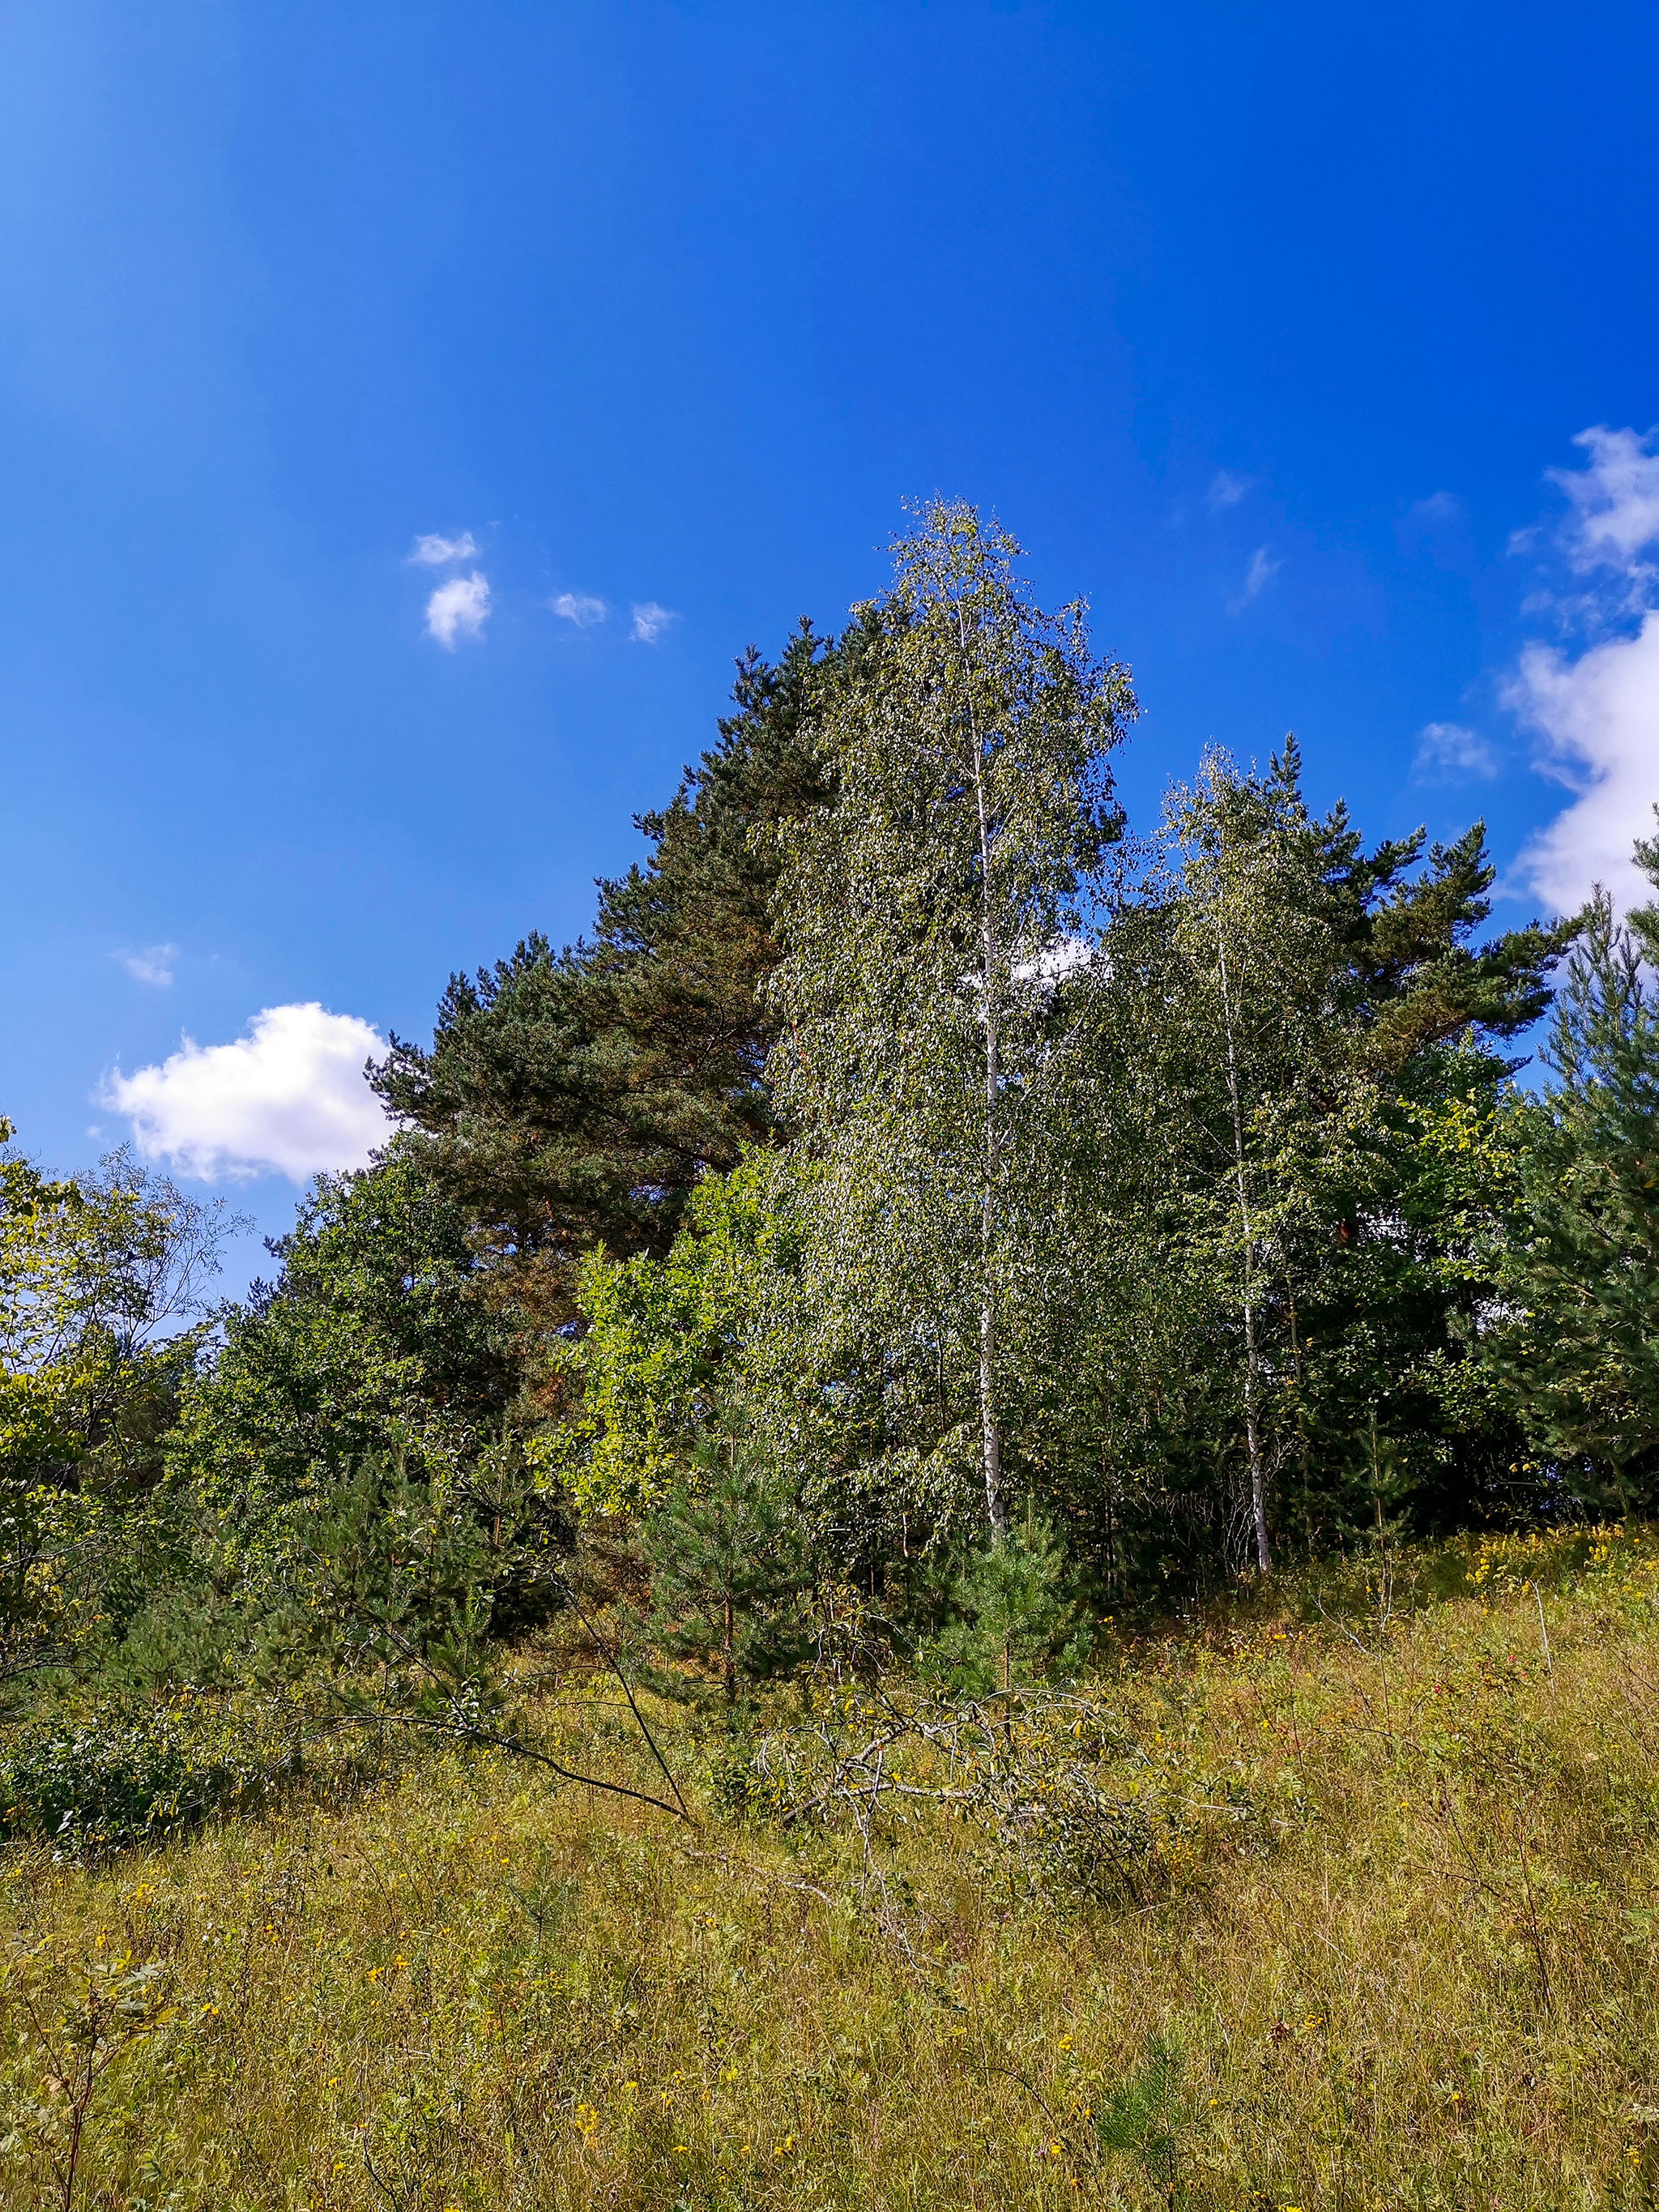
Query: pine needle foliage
575	1097
730	1570
1578	1349
1013	1619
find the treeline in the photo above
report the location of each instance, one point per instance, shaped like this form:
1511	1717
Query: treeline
921	1173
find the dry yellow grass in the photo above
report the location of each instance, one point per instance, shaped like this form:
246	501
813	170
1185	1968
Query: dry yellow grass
1424	1971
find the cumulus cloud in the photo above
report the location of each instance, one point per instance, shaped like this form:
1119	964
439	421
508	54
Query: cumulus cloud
1598	718
1447	749
436	551
154	964
577	607
1257	577
1227	489
460	607
288	1096
650	621
1595	710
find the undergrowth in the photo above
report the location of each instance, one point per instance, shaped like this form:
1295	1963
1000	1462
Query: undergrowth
1389	1937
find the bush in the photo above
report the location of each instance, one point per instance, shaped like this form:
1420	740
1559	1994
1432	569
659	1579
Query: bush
123	1769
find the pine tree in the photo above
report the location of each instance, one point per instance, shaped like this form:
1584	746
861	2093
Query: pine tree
374	1341
573	1099
1580	1357
1012	1619
1642	921
729	1566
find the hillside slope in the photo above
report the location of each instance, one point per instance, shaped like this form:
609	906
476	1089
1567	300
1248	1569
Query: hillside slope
1387	1935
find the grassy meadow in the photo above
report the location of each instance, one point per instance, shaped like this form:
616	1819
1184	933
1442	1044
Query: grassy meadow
1392	1940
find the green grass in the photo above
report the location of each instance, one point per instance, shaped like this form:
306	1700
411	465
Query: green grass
1417	1964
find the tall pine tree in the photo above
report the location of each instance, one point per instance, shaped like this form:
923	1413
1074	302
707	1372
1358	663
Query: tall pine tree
1579	1352
575	1097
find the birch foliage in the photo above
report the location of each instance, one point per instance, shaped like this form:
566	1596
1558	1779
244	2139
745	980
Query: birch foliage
1319	1022
936	919
1257	962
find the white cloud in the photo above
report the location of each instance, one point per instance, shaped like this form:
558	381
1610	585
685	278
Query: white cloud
1227	489
433	551
1257	577
650	621
1447	749
1056	961
1599	717
152	965
288	1096
460	607
577	607
1615	502
1596	710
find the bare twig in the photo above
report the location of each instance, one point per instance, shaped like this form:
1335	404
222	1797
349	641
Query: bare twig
610	1659
1549	1667
463	1729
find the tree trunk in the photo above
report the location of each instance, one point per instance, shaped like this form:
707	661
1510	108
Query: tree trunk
1252	1430
996	1508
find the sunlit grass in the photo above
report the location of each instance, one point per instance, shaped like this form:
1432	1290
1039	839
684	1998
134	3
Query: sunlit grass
1425	1971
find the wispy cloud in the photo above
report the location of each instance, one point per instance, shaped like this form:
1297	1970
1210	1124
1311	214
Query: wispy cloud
1597	709
1226	489
1260	573
288	1096
436	551
154	964
650	621
460	607
577	607
1615	502
1438	509
1437	527
1448	749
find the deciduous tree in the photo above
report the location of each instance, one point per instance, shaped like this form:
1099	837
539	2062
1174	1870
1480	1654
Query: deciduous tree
932	920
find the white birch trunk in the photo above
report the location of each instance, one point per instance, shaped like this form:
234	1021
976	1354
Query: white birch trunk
1252	1429
990	1006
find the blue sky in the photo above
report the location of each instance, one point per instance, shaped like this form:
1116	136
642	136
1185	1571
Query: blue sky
1271	331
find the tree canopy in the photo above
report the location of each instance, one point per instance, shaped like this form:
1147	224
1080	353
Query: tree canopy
915	1153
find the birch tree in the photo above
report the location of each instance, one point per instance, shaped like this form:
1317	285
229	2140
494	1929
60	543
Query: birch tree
1327	1010
935	922
1261	1082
